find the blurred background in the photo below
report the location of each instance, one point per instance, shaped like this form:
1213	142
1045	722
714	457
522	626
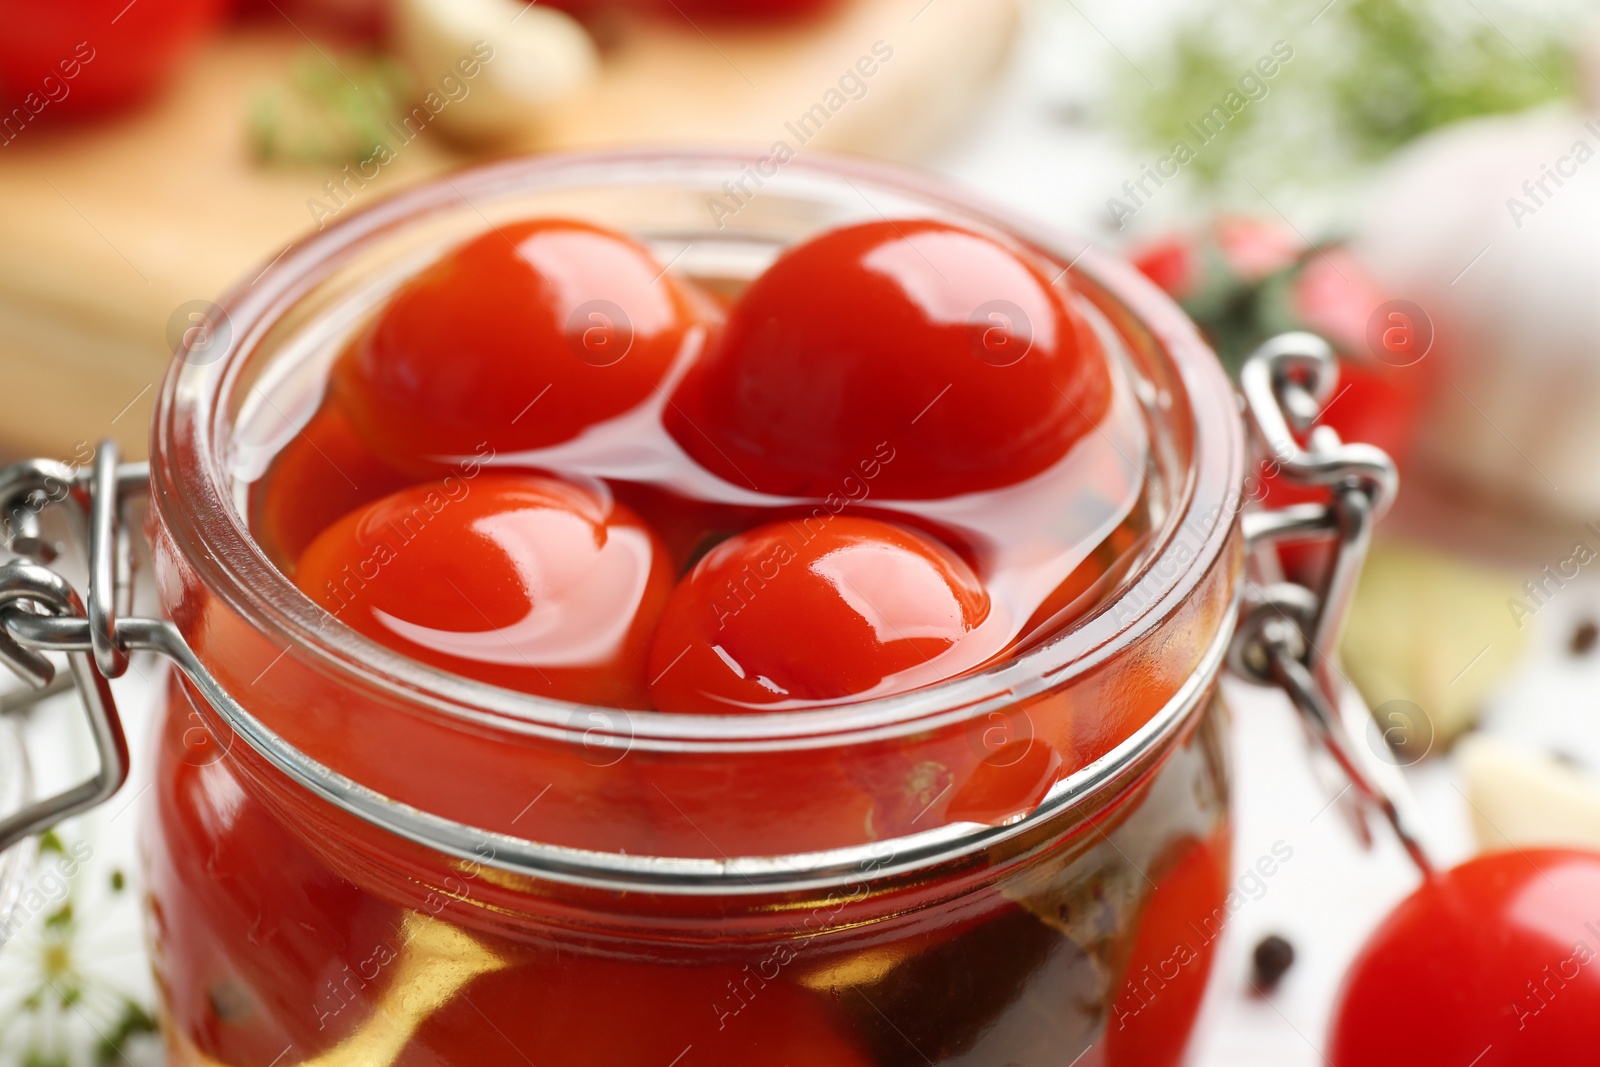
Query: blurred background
1416	181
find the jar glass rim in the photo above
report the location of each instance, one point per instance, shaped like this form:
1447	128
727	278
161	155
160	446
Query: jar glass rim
1099	782
198	505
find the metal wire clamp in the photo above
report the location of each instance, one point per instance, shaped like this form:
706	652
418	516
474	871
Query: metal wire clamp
1288	633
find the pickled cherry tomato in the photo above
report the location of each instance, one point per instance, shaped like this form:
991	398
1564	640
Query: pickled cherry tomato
794	613
323	473
1164	980
1009	781
523	337
949	345
521	581
247	913
1494	963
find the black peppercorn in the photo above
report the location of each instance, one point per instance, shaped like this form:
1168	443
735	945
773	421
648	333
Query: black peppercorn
1584	637
1272	958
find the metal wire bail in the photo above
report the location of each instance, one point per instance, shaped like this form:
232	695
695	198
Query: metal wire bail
1288	634
39	610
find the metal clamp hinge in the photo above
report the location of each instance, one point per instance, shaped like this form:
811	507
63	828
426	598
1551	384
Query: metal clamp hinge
1288	633
40	611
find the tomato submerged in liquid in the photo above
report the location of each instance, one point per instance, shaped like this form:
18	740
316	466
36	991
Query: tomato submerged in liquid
962	475
949	345
265	948
527	582
522	338
881	606
557	347
489	487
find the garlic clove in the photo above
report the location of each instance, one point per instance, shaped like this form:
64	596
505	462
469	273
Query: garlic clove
1525	798
525	59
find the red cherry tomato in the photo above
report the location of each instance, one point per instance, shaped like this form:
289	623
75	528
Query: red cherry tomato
1384	374
1154	1009
523	337
945	345
325	472
88	57
1373	404
524	582
1173	263
1011	780
351	21
1495	963
788	614
249	918
1254	248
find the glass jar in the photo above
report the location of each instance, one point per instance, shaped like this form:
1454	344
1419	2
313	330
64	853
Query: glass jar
353	858
394	865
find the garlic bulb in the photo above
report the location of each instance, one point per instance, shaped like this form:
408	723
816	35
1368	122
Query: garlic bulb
488	68
1489	225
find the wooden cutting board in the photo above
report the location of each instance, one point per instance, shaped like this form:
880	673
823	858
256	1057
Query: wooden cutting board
107	230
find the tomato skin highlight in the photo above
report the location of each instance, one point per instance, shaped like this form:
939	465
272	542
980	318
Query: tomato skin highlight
516	580
945	345
790	614
1496	960
521	338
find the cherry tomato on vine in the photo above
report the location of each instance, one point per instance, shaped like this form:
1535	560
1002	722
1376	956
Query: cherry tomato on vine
795	613
1494	963
524	582
955	349
523	337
